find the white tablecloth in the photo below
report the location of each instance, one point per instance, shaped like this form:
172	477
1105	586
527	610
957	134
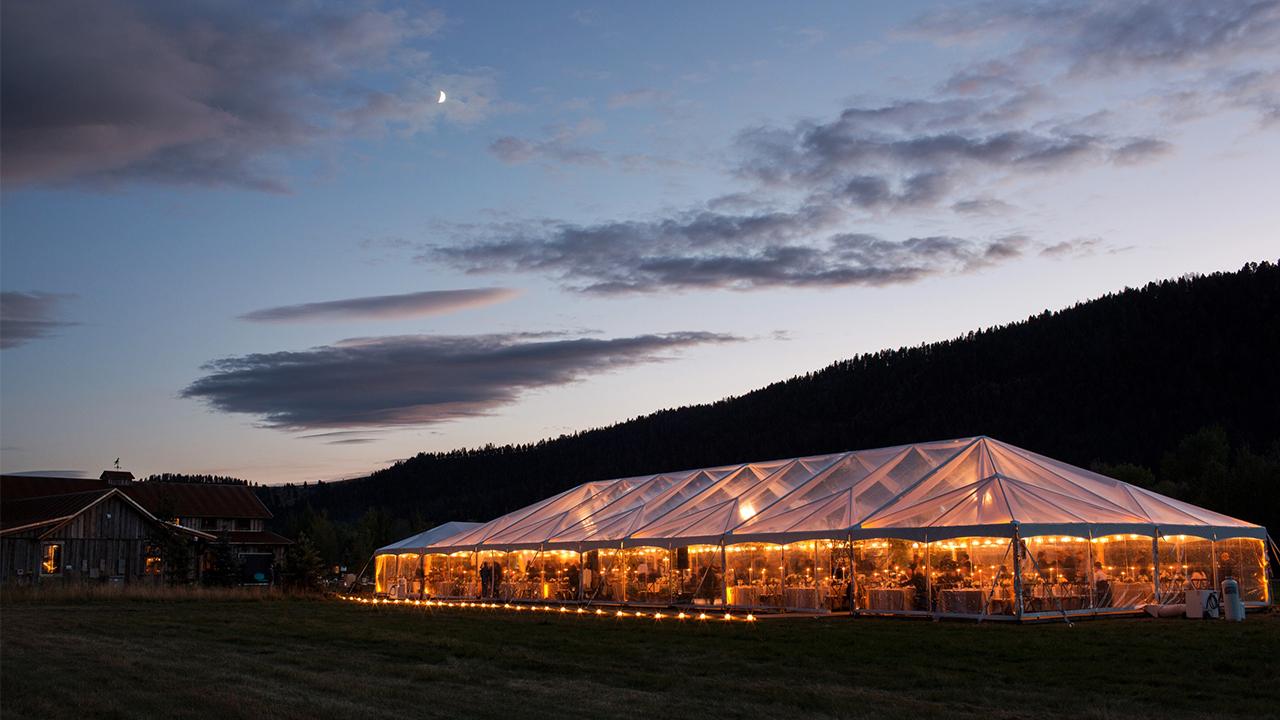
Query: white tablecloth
800	597
890	598
961	600
1129	594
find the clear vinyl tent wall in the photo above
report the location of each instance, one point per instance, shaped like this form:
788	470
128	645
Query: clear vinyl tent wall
968	528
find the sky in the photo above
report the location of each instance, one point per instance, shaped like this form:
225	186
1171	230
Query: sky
248	239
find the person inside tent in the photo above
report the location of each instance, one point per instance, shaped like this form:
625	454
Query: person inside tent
1102	581
486	579
575	581
917	581
1199	580
495	579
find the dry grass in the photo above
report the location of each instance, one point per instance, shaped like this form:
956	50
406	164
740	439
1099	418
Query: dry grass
241	659
86	592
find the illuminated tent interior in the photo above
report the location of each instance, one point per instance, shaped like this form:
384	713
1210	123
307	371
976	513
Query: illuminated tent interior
972	527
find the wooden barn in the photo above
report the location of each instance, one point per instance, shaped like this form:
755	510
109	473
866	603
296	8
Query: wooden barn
114	529
95	534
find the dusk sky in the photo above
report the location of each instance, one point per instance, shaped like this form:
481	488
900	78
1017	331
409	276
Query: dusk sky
247	238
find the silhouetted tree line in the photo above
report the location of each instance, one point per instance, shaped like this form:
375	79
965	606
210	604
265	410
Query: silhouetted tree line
195	479
1174	386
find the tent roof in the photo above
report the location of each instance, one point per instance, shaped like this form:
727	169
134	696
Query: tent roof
415	543
932	490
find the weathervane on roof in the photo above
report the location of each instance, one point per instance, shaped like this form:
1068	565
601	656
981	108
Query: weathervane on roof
117	463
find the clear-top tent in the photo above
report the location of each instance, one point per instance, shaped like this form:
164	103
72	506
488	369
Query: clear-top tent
948	515
415	543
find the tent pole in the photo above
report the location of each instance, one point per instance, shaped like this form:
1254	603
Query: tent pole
1155	562
1093	580
1057	601
1268	569
995	583
622	555
928	577
358	576
724	575
1214	555
677	574
852	576
1017	572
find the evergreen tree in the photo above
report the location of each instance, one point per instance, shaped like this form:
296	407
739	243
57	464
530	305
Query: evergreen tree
303	567
223	569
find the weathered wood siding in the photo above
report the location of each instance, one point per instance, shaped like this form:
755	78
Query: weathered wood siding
108	540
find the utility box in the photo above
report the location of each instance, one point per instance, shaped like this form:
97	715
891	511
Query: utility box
1203	603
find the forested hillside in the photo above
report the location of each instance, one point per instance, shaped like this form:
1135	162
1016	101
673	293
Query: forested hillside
1174	385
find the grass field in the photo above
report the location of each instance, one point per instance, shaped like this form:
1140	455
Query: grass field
238	658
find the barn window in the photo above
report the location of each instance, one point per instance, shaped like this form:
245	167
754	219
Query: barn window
154	563
51	560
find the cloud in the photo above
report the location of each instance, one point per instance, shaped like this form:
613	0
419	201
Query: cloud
641	97
708	250
418	379
1254	90
1222	41
917	154
817	186
981	206
385	307
56	473
816	182
27	316
103	92
1102	37
560	144
1140	150
339	434
1258	90
1079	247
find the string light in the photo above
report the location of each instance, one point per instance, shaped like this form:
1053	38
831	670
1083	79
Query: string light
656	615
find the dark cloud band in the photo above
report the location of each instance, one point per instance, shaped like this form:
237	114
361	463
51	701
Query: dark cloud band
385	307
102	92
709	250
417	379
27	316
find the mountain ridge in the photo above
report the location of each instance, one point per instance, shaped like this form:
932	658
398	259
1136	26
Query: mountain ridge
1121	379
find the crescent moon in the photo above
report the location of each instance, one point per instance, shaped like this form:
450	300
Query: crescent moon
442	98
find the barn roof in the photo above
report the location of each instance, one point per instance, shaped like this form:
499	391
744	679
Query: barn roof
199	499
17	487
37	511
47	513
256	537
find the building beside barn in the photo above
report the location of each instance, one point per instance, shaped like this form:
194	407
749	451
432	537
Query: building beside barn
231	513
115	529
